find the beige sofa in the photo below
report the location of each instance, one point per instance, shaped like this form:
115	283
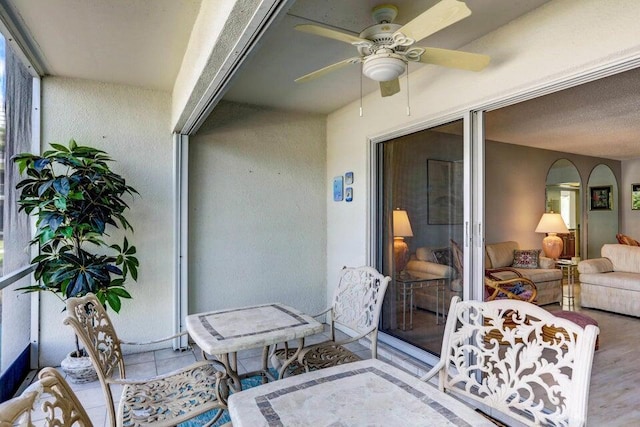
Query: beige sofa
426	298
547	278
612	282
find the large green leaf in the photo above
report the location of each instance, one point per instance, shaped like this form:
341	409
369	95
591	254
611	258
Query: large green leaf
76	198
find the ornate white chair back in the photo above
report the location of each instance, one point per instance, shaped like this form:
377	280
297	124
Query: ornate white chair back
357	301
518	359
48	402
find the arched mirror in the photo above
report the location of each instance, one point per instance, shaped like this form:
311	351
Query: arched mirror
602	205
564	188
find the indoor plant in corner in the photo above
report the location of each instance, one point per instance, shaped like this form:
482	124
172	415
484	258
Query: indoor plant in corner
75	196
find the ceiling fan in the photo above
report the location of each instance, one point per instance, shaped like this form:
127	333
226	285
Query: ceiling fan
385	48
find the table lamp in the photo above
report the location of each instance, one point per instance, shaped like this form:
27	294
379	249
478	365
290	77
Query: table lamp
401	229
552	223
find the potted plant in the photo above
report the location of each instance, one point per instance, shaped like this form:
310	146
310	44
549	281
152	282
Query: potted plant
75	197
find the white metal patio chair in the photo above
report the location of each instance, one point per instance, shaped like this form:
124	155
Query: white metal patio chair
500	355
164	400
48	402
356	306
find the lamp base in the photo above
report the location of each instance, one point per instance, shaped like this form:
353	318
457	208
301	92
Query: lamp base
400	253
552	246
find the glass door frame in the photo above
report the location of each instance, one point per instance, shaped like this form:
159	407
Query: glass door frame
473	215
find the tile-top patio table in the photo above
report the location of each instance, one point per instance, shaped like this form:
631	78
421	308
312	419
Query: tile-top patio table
223	333
365	393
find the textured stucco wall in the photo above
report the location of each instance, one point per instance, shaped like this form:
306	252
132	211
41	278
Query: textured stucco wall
132	125
257	212
553	43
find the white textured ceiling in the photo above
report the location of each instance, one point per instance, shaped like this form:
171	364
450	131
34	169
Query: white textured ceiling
142	43
599	119
132	42
268	78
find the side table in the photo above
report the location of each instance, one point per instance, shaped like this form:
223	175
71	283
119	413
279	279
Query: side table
570	271
407	284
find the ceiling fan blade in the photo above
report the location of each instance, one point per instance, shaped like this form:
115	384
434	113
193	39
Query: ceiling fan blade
390	88
432	20
328	69
332	34
455	59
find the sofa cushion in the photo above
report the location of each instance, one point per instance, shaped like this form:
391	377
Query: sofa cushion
501	254
536	275
615	280
595	265
623	257
539	275
416	268
527	258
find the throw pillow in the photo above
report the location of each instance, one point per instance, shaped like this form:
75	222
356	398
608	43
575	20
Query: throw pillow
527	258
626	240
442	256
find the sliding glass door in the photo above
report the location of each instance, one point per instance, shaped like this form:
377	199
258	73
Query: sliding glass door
420	231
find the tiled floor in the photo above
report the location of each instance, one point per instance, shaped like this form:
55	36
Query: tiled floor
613	401
147	364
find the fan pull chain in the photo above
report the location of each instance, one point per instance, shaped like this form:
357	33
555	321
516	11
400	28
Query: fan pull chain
408	104
361	67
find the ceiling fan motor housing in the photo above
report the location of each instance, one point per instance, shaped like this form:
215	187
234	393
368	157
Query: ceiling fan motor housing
383	67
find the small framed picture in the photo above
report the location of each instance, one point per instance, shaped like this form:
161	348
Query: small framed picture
338	188
348	178
635	197
600	198
348	194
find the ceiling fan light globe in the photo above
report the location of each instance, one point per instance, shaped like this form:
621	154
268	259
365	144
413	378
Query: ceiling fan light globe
383	68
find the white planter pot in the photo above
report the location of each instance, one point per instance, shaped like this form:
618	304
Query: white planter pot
79	370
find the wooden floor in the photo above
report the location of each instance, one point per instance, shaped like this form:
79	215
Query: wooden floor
614	395
614	398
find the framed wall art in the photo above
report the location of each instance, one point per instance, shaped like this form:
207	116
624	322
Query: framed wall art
635	197
600	198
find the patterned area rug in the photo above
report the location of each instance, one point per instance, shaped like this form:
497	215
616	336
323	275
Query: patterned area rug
204	418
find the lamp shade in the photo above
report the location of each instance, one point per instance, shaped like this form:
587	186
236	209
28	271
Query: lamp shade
551	223
401	225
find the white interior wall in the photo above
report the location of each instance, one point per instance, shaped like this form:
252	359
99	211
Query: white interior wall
514	212
558	41
132	126
257	213
602	225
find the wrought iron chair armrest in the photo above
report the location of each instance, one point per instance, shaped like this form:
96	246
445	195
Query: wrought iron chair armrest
154	341
323	312
220	375
436	369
